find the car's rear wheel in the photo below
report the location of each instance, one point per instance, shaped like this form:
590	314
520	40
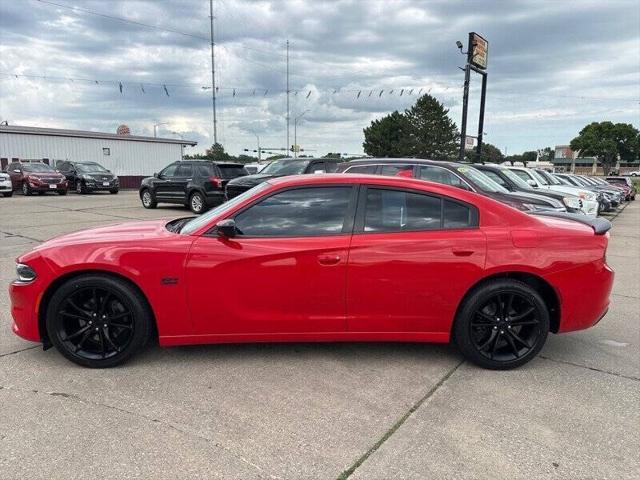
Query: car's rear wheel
196	202
147	199
98	321
502	325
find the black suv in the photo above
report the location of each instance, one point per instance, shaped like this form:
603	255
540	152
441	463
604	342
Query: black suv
86	177
282	168
196	184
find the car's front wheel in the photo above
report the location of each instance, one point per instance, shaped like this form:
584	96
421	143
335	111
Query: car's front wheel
7	194
98	321
26	190
502	325
80	188
113	191
147	199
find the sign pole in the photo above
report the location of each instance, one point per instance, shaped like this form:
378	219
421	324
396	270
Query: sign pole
481	121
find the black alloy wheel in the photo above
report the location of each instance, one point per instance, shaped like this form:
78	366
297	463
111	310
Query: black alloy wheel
503	325
97	321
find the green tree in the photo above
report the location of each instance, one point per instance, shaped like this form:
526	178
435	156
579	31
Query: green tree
216	152
432	133
277	156
333	155
528	157
388	137
547	154
490	154
607	141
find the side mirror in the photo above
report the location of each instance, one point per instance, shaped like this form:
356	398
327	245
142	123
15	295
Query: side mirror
226	228
156	175
532	183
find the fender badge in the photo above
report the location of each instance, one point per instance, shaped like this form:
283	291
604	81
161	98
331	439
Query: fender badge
169	281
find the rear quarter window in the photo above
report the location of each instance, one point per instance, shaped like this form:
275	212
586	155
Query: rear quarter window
232	171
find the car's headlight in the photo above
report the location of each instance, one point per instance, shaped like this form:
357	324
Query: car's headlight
571	202
25	273
586	195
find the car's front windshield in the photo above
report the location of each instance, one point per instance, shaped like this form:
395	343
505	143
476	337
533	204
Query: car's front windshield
90	168
37	167
520	183
551	180
539	178
285	167
483	182
203	219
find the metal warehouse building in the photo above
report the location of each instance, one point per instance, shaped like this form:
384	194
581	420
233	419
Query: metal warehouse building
130	157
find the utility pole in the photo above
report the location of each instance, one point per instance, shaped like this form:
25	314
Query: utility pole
259	151
213	76
288	146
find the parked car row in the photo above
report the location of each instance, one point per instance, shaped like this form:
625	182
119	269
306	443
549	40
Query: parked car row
38	177
201	184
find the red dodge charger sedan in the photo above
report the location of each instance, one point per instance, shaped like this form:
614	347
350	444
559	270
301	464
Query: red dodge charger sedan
321	258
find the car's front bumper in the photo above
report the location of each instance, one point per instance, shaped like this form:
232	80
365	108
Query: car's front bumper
25	299
590	207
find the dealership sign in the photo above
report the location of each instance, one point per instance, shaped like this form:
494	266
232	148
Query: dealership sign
479	50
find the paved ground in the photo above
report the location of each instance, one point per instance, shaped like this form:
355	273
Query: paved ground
368	411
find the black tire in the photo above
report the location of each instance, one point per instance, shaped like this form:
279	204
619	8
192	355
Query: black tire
114	191
510	341
147	199
7	194
83	300
197	203
80	188
26	190
62	192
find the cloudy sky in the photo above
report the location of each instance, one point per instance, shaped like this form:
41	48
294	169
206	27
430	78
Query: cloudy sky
554	66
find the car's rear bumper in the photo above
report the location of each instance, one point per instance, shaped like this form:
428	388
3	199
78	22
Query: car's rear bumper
583	294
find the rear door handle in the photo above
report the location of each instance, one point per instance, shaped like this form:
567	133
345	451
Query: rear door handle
462	252
328	260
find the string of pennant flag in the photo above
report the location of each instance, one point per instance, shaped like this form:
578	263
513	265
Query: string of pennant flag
139	87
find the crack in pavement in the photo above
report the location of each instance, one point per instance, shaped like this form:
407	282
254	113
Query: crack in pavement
18	351
594	369
349	471
17	235
78	398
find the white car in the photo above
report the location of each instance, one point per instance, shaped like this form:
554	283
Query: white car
588	199
6	188
635	173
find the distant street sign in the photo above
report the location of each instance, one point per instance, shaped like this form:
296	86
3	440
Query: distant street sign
479	50
469	142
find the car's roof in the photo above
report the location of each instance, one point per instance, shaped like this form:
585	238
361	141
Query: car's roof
426	161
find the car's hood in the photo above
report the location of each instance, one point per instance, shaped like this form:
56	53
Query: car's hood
43	174
534	198
251	180
123	232
569	189
98	176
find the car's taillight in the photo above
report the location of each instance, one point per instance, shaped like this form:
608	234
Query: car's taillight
216	182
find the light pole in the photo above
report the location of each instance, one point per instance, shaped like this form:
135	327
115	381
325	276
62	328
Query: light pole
259	152
181	145
295	133
155	128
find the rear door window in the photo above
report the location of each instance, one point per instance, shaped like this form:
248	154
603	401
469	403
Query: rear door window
496	178
367	169
184	170
397	170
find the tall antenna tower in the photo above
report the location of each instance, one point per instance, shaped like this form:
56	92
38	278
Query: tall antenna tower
288	145
213	76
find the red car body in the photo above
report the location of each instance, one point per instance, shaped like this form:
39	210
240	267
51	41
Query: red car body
403	286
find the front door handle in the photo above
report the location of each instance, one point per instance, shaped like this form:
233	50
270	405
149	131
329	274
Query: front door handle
328	260
462	252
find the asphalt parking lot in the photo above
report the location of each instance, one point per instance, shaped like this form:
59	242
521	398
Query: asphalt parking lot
298	411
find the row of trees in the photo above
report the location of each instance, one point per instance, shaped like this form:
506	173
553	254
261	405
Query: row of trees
425	130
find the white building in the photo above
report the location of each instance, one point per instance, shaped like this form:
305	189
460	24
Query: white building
130	157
